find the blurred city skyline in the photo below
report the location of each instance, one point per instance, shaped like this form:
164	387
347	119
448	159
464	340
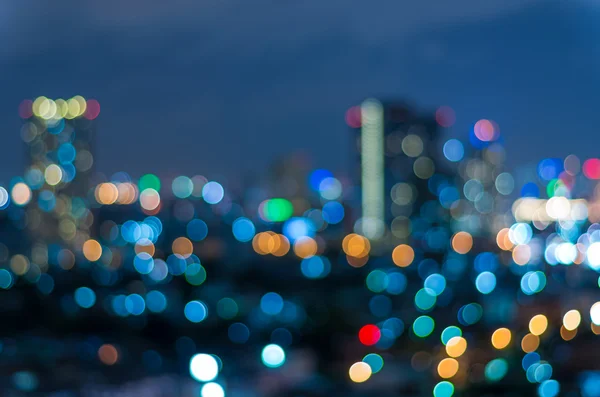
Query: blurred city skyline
198	197
216	88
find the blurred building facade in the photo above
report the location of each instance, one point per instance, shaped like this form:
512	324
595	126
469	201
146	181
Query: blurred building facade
397	152
59	138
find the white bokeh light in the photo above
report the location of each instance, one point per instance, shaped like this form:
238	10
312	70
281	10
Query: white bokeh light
273	356
212	389
558	208
3	197
593	256
204	367
566	253
520	233
595	313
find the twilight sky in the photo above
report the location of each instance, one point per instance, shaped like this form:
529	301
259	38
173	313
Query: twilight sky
217	86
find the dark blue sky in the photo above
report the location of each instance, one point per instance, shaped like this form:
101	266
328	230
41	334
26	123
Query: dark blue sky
222	87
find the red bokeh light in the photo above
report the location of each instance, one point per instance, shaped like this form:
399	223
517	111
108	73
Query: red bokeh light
591	168
353	117
445	116
567	179
484	130
92	110
25	109
369	335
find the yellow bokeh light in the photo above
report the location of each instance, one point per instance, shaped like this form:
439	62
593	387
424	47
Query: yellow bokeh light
538	324
40	106
183	246
447	368
360	372
45	108
20	193
530	343
305	247
92	250
571	320
62	108
456	346
462	242
19	264
48	109
82	104
73	109
53	174
501	338
403	255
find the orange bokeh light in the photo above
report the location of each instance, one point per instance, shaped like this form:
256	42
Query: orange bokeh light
403	255
92	250
108	354
462	242
183	246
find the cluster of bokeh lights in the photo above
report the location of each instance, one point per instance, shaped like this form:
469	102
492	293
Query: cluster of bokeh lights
458	274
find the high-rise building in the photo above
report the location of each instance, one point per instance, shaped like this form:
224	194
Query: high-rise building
397	151
59	135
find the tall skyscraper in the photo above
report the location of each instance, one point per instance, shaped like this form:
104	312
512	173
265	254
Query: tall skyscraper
397	150
59	135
